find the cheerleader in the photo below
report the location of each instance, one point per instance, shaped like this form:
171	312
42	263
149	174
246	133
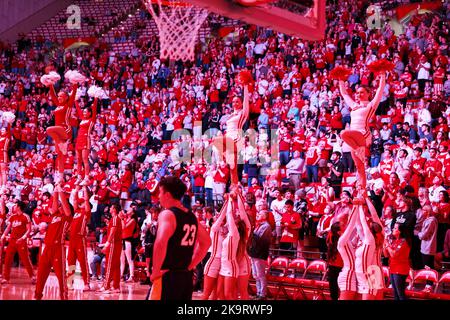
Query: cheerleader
229	144
83	145
212	267
358	137
61	131
5	139
347	277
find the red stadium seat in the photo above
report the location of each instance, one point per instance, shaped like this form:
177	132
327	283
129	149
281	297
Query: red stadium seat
443	282
425	275
297	267
278	267
316	270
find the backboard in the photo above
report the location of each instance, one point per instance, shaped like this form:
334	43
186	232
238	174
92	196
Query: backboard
301	18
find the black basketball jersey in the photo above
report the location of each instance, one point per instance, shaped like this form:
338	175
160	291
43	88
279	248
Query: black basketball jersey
181	245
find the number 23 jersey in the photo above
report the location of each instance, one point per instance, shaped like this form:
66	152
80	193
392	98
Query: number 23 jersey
181	244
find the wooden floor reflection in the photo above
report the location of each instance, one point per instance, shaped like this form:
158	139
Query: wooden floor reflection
20	288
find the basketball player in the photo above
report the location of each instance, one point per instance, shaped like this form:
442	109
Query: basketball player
77	244
19	224
113	250
358	137
83	145
53	249
181	243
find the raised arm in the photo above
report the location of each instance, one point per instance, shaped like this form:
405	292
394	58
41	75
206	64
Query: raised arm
245	106
65	204
352	220
79	111
53	95
373	211
87	205
243	214
379	94
215	227
367	234
94	109
72	96
231	224
348	100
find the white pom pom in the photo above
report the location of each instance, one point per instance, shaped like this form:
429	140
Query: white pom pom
68	74
9	117
95	92
54	76
45	80
76	77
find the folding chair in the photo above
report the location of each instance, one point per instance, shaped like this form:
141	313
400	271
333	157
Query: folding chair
443	282
296	268
316	270
423	276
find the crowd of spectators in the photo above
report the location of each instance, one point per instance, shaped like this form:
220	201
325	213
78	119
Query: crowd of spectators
296	113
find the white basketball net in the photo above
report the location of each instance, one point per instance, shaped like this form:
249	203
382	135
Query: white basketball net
178	25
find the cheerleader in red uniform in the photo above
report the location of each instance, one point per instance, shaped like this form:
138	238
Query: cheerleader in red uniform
358	137
61	131
5	138
53	249
83	145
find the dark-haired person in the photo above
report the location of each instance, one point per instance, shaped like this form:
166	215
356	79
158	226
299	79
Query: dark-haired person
83	145
181	243
336	173
112	250
442	212
358	136
417	169
77	235
53	253
397	248
291	223
18	228
334	259
129	228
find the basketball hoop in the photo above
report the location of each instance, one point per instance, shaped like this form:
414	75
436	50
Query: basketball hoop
178	24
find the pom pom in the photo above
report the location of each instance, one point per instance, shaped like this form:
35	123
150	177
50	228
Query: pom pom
45	80
68	75
340	73
9	117
381	66
95	92
75	77
244	78
54	76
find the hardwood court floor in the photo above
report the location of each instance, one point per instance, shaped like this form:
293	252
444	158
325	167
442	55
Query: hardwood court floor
20	288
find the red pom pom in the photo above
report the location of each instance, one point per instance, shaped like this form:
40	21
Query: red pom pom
340	73
245	77
381	66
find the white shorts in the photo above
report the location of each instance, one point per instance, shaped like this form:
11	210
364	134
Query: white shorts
347	280
369	284
229	268
244	266
212	267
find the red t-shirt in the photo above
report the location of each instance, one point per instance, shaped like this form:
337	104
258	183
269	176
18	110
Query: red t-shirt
399	263
56	228
18	225
115	222
289	233
79	223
